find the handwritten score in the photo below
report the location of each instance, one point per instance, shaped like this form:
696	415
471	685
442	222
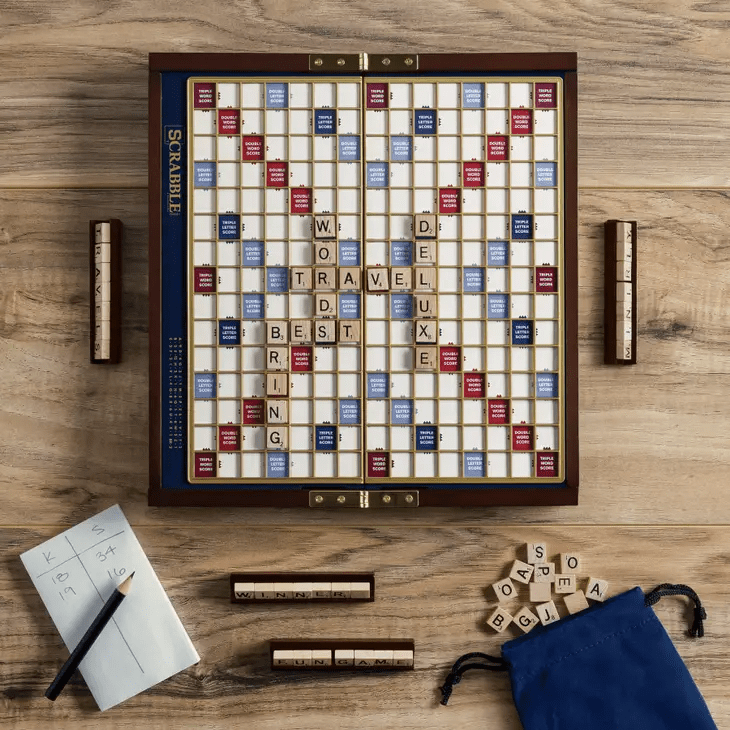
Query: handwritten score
76	572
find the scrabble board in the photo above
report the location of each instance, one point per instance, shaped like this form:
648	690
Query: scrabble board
363	279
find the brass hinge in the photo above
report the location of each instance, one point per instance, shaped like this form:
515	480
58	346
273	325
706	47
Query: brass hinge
363	499
337	62
392	62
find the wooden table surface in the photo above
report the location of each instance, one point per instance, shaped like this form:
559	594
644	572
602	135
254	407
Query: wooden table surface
654	89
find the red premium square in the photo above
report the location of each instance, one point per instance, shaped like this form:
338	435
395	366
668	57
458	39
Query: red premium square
450	359
546	278
228	121
497	148
301	200
521	121
204	96
547	464
473	175
473	385
377	96
450	200
277	174
253	411
252	147
521	438
204	278
301	359
378	463
205	464
229	438
546	96
498	411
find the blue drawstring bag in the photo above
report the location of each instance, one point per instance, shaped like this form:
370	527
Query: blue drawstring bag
610	667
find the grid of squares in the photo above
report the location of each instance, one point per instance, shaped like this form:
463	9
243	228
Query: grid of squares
449	367
465	384
276	319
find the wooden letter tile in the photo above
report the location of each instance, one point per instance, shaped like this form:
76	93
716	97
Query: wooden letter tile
325	252
277	411
569	563
277	384
526	619
564	583
301	278
325	226
521	572
301	330
575	602
425	305
425	332
547	613
426	358
378	279
540	592
277	358
277	438
325	305
499	620
424	225
597	590
425	253
536	552
349	330
401	277
505	589
350	278
544	573
425	277
324	277
324	331
276	332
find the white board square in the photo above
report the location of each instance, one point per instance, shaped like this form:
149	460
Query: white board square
253	439
400	201
448	280
228	95
546	359
229	253
349	438
277	200
520	94
497	95
521	174
204	411
252	227
253	359
545	121
521	201
546	437
349	465
348	174
376	122
472	122
349	358
349	227
376	226
300	227
474	437
474	332
301	411
497	358
376	148
228	279
497	226
402	466
229	148
424	199
521	280
449	438
204	306
325	148
301	465
546	333
252	465
376	411
425	385
348	95
325	410
472	201
377	308
472	227
497	438
521	359
324	200
204	437
324	174
546	253
472	148
204	200
401	332
204	333
497	202
252	280
521	465
448	95
300	95
449	227
349	121
521	385
276	147
229	201
401	358
252	95
324	95
521	305
425	410
377	437
473	411
424	96
252	176
449	465
254	332
449	386
401	438
229	174
448	149
253	385
401	122
473	358
449	306
277	306
497	174
252	122
546	148
472	253
348	385
449	174
301	122
277	122
348	201
376	358
229	359
546	200
325	464
425	174
300	148
300	174
497	122
401	385
425	464
546	227
325	360
521	253
448	122
424	148
301	438
401	174
400	96
448	251
204	227
497	280
497	386
229	411
546	411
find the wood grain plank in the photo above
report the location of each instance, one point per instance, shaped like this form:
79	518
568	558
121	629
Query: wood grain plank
432	584
653	436
654	81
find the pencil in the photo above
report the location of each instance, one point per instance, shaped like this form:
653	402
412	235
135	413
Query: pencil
88	639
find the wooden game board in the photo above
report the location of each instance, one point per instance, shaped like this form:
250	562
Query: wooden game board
363	280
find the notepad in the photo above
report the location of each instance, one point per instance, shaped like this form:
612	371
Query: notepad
76	572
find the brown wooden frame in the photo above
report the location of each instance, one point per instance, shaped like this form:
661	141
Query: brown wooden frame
564	63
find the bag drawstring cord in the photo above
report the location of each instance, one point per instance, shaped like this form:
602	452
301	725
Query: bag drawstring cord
454	676
670	589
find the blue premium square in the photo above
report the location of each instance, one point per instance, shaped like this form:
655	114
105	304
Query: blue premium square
401	306
349	411
497	306
546	385
474	279
349	148
253	253
277	464
401	253
426	438
205	385
401	412
229	226
521	226
349	253
277	279
401	149
326	438
473	96
253	306
522	332
204	175
424	121
377	385
497	253
349	306
324	121
229	332
377	175
546	174
277	96
474	464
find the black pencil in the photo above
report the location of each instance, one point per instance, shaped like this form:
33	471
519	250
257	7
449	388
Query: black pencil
88	639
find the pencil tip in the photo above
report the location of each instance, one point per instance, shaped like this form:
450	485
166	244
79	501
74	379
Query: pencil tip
125	585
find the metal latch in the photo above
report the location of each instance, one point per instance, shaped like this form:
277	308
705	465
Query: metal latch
363	499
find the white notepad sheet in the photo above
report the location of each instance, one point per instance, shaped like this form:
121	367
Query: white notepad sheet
76	572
